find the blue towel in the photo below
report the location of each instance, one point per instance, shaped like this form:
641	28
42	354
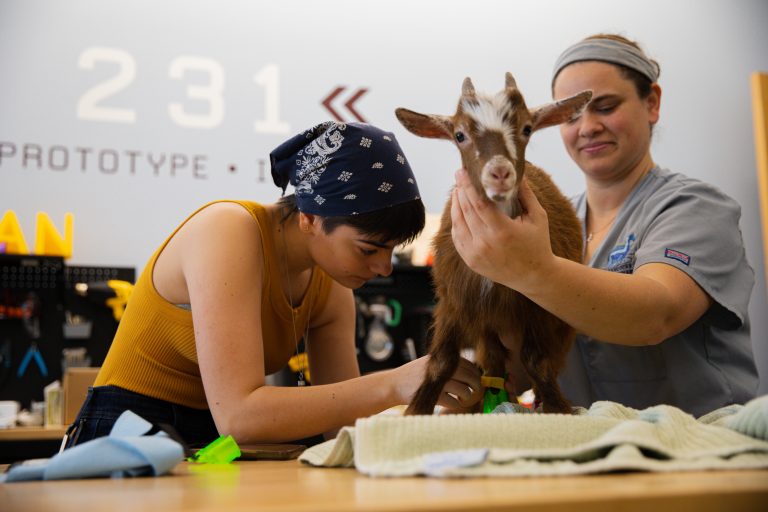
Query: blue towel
126	452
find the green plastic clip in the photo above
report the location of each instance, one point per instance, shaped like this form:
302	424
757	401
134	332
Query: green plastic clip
495	393
222	451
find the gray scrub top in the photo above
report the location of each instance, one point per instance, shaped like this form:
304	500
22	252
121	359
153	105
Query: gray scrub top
672	219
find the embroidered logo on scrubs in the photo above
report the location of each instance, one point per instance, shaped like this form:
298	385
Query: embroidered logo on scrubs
622	257
677	255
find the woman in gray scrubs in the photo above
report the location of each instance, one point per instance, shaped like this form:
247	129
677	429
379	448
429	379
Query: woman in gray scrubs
661	301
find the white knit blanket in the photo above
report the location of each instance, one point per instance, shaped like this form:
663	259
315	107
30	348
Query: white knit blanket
607	437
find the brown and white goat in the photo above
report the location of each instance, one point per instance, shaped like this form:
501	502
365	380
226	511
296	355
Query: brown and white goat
508	332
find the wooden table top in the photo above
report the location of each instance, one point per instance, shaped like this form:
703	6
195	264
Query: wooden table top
50	433
290	485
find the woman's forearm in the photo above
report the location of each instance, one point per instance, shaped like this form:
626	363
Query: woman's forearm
618	308
279	414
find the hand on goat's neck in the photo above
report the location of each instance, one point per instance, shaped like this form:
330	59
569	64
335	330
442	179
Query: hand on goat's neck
512	207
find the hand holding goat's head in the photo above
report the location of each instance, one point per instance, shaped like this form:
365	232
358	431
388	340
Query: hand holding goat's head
492	133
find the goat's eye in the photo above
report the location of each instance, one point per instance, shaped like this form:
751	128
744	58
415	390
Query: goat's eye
527	130
459	137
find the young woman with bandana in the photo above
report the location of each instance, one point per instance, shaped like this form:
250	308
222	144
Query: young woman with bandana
661	301
225	300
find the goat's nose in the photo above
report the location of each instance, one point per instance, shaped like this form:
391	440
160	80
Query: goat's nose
500	173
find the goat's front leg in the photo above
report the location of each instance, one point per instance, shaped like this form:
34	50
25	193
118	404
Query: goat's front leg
543	354
443	361
516	372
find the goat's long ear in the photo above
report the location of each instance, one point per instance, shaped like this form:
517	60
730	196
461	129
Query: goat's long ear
424	125
558	112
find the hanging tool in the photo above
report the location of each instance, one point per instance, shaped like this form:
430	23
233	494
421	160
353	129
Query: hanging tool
32	352
31	318
5	362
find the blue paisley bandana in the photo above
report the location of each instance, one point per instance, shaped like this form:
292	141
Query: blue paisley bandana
339	170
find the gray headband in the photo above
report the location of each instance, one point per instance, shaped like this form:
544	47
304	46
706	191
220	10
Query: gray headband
607	50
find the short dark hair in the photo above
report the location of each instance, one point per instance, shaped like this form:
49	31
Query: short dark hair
401	223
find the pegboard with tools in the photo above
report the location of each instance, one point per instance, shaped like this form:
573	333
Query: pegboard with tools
46	324
95	300
394	314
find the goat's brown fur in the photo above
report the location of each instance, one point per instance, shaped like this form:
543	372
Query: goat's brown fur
472	312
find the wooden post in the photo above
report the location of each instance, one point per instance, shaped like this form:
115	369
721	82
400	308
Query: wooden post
760	113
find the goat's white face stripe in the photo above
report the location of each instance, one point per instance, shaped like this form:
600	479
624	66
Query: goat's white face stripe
489	113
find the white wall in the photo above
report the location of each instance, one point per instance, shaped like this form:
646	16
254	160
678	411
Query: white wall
407	53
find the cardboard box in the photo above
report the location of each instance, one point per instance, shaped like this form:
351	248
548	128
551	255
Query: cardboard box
76	384
53	394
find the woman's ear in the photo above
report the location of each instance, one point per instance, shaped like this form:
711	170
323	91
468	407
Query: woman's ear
307	221
654	103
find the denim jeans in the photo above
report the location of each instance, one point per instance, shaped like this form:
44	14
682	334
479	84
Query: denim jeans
104	404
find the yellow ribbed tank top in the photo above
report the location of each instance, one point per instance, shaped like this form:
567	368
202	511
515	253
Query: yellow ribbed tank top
154	353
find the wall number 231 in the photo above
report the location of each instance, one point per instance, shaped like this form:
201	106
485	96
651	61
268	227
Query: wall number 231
92	104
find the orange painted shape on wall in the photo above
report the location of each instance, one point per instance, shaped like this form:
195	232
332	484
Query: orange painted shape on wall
11	235
48	240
